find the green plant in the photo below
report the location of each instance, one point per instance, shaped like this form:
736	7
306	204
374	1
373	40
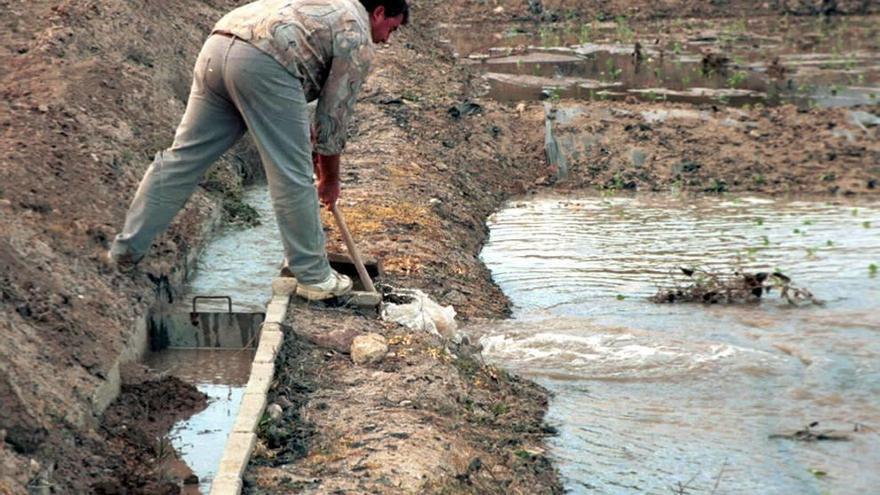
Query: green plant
585	34
622	30
872	270
548	37
500	409
676	47
717	186
737	78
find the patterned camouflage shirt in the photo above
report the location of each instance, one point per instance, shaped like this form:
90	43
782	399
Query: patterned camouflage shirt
324	43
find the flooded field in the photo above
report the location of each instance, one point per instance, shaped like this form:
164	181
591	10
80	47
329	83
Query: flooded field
659	398
826	62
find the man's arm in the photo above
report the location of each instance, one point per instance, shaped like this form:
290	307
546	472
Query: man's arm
348	70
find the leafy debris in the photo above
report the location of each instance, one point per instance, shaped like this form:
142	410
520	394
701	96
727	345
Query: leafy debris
715	287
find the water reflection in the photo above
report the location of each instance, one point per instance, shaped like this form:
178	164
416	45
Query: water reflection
829	64
222	376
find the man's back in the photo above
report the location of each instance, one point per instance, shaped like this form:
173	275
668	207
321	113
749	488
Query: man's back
303	35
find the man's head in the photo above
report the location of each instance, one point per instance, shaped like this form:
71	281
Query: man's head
385	17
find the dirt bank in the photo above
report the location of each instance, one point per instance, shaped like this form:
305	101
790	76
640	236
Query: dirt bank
90	91
93	90
706	148
555	10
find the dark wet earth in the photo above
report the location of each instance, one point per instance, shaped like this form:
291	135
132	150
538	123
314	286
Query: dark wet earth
825	62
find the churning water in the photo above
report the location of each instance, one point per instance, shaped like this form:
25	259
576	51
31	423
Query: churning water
683	398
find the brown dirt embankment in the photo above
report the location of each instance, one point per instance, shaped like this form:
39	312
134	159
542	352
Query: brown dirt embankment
90	90
707	148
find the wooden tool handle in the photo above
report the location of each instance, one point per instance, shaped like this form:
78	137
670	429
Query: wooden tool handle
352	250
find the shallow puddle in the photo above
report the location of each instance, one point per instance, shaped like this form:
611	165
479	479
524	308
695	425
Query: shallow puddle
826	62
656	398
222	376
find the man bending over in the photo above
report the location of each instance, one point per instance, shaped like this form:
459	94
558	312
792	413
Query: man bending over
262	63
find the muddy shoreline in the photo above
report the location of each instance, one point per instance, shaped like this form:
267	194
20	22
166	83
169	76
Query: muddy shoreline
94	90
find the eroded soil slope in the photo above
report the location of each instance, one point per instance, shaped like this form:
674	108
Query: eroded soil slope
90	90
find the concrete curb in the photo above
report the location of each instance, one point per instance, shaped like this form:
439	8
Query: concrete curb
243	438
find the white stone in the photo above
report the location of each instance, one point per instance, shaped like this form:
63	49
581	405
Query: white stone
275	412
249	413
369	348
276	311
236	455
260	379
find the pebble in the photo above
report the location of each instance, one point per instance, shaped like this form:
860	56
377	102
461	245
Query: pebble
369	348
274	411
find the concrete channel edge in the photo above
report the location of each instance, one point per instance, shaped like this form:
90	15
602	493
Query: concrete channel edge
243	437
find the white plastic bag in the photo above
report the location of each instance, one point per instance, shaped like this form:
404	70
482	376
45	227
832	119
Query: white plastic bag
423	313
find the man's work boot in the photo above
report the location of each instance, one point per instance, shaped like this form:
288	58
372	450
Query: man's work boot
335	285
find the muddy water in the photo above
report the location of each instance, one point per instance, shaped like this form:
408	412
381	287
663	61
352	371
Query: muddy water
657	398
240	262
805	61
222	376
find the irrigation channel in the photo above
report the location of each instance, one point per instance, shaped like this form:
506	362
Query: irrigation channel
239	263
684	398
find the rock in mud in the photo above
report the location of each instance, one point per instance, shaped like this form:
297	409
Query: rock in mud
274	411
369	348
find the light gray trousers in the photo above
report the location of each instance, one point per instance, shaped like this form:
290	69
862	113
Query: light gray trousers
236	87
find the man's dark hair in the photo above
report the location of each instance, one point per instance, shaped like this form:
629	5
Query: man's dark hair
393	8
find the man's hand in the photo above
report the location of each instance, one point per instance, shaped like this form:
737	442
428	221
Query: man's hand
327	167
